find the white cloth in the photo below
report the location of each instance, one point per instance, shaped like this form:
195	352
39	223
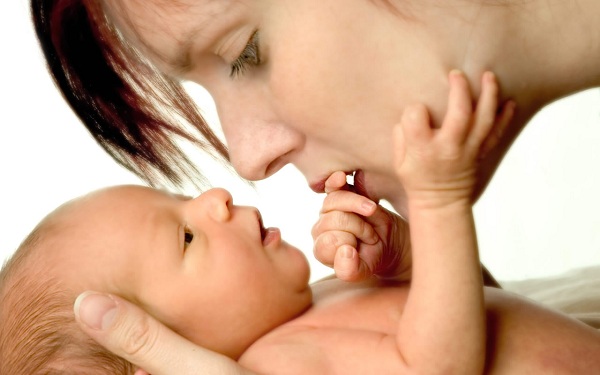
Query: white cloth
576	293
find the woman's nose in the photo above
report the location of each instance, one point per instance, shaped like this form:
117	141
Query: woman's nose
217	203
259	142
259	150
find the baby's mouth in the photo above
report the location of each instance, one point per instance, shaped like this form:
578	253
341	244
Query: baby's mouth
261	225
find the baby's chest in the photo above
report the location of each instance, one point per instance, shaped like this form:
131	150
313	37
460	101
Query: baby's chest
375	310
350	333
326	351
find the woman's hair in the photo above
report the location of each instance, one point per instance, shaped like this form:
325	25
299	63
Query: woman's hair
134	112
38	332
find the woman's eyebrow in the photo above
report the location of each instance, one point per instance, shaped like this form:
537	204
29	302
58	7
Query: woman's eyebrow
200	36
181	61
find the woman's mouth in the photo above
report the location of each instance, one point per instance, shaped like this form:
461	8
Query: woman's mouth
355	182
358	185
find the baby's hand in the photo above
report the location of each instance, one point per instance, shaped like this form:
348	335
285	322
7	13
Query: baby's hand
438	166
359	238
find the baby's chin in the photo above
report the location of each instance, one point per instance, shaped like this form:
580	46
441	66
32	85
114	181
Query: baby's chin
299	265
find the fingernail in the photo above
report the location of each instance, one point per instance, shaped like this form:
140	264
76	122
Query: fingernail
455	72
369	205
489	76
347	252
95	310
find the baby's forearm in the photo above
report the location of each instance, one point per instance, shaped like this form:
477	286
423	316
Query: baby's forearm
442	329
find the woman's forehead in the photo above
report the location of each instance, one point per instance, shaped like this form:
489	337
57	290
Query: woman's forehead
165	28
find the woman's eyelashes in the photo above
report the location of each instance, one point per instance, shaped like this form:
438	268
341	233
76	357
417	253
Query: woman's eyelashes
250	56
188	237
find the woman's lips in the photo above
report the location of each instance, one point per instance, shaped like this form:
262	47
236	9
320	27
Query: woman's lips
359	184
319	186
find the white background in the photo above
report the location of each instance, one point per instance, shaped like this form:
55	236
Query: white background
538	217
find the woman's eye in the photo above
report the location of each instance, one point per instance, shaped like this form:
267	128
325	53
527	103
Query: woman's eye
188	237
250	56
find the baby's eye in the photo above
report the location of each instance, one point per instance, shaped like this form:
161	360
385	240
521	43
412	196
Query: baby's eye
188	237
250	56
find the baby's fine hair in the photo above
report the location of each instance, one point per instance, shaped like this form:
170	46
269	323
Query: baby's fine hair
38	332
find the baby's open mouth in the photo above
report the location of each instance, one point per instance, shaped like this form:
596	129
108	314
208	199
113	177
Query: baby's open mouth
263	231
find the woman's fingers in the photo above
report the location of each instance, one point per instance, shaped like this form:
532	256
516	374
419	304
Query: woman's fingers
129	332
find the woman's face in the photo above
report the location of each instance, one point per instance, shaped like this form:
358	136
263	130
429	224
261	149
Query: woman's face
315	83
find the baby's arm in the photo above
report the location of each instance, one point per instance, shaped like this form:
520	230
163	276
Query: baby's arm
443	327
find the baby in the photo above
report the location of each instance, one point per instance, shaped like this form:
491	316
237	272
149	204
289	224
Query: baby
211	272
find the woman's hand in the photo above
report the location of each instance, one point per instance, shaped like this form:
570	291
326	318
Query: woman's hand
358	237
129	332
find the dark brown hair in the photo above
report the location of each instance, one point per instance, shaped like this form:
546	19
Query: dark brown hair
134	112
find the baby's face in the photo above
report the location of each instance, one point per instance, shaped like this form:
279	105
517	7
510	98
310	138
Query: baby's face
205	267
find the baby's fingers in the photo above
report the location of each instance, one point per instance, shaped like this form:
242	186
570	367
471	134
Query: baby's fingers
502	122
347	201
457	121
485	114
345	222
416	126
349	266
327	244
337	181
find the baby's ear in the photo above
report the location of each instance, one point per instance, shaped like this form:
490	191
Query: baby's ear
141	372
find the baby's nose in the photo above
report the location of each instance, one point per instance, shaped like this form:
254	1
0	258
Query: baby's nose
216	202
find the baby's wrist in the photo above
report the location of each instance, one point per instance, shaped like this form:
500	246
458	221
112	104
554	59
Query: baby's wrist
427	201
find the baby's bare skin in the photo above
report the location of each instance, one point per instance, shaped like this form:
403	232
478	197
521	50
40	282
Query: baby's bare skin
351	329
443	321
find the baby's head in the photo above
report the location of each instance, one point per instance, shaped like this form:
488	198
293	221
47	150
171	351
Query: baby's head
205	268
38	334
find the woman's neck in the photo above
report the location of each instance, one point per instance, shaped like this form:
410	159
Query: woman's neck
541	50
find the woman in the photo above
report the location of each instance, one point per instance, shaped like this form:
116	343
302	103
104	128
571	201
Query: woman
303	82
